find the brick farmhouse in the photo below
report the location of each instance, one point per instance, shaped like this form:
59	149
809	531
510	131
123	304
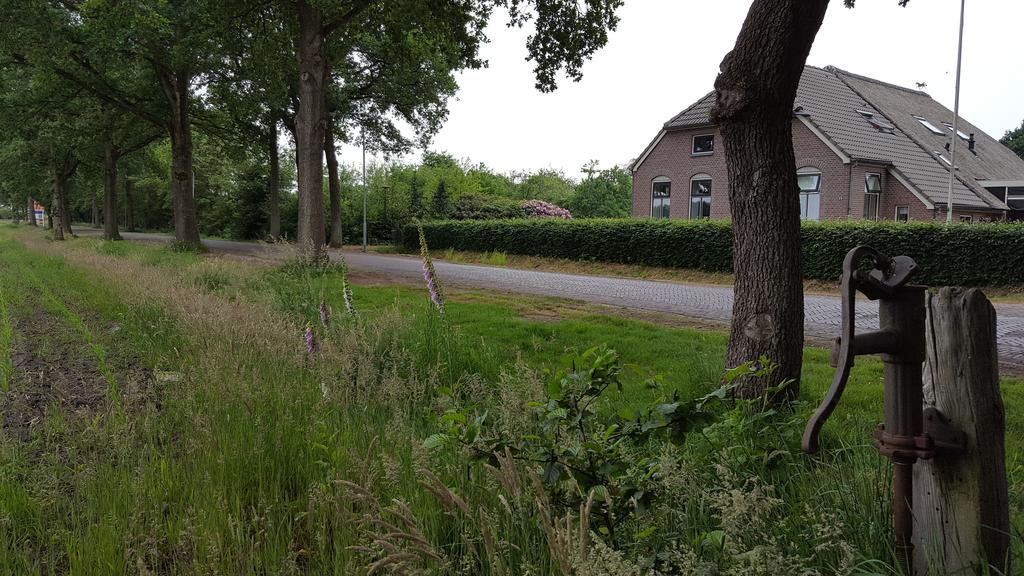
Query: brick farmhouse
864	149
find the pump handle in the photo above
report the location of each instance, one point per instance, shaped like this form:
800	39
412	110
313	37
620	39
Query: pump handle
885	277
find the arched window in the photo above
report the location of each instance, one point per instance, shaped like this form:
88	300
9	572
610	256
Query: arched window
700	196
872	194
809	180
661	197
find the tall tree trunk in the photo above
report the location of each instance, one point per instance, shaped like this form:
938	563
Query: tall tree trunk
95	211
58	205
129	206
65	205
31	212
110	158
334	185
756	88
274	185
309	125
186	219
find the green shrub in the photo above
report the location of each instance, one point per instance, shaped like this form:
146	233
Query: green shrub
961	254
480	207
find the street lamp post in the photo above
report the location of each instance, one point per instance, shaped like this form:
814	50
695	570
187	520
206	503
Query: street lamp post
956	117
363	138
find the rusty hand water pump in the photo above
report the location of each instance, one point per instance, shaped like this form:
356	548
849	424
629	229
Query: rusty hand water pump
910	431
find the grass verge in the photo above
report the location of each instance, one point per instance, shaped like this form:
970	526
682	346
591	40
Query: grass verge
255	456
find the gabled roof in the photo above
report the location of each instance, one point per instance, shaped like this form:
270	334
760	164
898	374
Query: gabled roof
846	109
989	160
698	114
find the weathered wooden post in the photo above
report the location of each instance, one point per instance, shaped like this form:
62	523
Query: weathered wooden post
961	518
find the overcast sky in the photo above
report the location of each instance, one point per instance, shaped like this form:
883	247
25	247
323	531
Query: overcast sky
665	55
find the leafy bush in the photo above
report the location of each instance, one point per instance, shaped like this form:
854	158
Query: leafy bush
666	486
961	254
480	207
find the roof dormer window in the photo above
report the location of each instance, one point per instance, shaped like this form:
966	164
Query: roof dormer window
931	127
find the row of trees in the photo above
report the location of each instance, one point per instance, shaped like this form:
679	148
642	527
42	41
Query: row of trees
231	192
89	82
84	85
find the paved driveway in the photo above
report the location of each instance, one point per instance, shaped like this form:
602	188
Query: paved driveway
712	303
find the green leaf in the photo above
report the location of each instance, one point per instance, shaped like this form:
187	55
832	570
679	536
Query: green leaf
646	532
451	416
552	473
435	441
557	414
667	409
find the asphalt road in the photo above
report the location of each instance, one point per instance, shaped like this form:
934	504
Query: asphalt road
697	301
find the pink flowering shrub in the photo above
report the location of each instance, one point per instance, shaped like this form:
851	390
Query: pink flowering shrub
542	209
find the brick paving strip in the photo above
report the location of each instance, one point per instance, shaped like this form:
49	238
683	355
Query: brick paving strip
698	301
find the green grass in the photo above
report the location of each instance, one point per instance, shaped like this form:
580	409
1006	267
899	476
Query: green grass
239	464
5	341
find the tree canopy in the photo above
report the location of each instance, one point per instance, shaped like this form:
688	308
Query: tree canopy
1014	140
146	83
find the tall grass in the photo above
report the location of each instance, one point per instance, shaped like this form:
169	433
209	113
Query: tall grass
6	366
259	458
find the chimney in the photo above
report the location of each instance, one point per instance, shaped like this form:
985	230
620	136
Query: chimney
970	142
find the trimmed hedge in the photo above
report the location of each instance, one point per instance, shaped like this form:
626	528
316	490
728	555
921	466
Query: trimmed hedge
961	254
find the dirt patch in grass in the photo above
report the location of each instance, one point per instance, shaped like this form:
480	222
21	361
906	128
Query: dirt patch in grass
363	278
49	370
54	370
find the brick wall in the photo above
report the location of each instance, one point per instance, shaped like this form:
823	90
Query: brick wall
671	158
940	215
842	185
896	194
810	151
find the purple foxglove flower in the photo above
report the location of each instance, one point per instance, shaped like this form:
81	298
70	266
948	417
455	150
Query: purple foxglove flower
325	315
311	345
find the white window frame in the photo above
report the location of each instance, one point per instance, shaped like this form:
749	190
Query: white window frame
809	171
689	205
896	214
967	219
693	145
659	180
960	133
877	195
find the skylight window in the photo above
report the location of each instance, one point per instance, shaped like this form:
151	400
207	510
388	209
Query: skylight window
943	158
882	125
931	127
879	123
962	136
